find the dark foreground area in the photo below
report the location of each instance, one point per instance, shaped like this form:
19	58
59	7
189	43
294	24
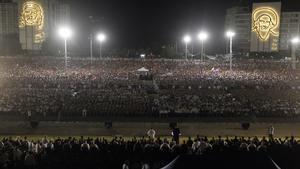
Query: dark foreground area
199	152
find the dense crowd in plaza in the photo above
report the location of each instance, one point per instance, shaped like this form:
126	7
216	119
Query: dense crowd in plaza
44	87
48	153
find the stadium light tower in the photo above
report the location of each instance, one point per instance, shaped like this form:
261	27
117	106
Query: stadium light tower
230	35
65	33
101	38
295	41
187	39
203	36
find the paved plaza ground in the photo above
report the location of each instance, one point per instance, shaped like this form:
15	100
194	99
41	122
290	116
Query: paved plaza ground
128	129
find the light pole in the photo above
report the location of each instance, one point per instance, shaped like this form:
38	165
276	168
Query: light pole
65	33
187	39
203	36
295	41
91	47
101	38
230	35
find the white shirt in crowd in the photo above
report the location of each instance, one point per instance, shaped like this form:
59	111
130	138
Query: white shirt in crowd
151	133
271	130
145	166
125	166
85	146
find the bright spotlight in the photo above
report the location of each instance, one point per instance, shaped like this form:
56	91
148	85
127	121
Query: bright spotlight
203	36
230	34
295	40
65	32
187	39
101	37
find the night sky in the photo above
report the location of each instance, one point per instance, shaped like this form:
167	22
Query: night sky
147	23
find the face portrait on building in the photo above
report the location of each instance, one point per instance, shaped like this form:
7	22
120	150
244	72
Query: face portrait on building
32	15
265	23
265	27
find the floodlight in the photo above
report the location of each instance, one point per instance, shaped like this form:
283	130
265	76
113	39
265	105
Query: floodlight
230	34
295	40
65	32
101	37
203	36
187	39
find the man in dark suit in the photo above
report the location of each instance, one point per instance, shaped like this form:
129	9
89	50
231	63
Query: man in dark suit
176	133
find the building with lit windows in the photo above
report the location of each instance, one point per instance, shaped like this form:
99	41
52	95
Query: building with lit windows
239	20
290	27
8	17
9	28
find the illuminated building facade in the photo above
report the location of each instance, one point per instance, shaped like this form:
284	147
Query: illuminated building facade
266	28
32	25
26	24
265	22
37	18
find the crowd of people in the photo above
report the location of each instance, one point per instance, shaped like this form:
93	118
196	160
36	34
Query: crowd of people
135	153
44	87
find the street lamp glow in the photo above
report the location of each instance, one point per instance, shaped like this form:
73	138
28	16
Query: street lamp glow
101	37
187	39
230	34
295	40
65	32
203	36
